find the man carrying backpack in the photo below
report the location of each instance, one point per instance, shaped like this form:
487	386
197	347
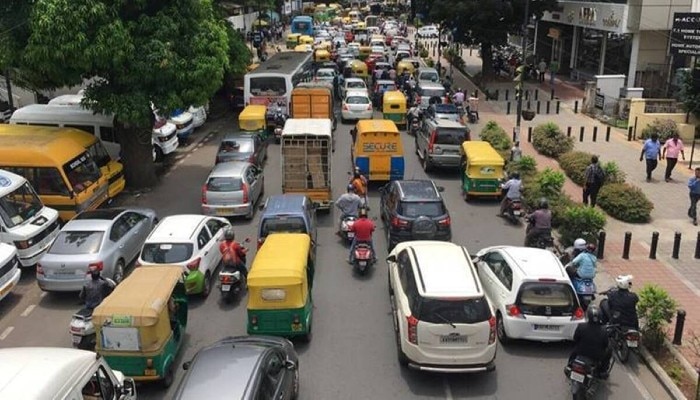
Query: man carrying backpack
594	179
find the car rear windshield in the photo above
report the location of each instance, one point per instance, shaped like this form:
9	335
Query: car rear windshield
77	242
446	109
357	100
283	225
429	76
166	253
459	311
451	136
356	84
433	92
224	184
547	298
415	209
236	146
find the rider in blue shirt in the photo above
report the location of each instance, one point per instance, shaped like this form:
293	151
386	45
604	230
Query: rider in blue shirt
584	265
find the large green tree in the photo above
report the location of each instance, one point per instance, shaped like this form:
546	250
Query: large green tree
690	91
132	54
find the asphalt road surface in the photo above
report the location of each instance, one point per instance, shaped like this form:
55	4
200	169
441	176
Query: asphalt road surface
353	352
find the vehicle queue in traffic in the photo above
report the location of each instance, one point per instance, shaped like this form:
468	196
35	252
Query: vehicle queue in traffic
448	305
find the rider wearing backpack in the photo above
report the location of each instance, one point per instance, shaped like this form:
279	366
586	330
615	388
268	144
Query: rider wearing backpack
594	179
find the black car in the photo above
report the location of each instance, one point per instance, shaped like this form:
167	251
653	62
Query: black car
241	146
243	367
414	210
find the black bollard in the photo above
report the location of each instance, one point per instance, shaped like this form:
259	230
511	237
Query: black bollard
629	134
697	246
580	135
551	95
508	108
601	244
507	93
678	332
676	245
538	106
654	245
568	131
527	95
537	94
547	106
528	104
627	243
496	95
595	133
529	134
576	107
607	134
558	103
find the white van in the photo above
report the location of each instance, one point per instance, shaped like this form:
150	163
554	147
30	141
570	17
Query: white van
44	373
24	220
9	269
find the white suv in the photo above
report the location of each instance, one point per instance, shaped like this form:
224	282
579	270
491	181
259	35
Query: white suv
531	292
430	31
442	319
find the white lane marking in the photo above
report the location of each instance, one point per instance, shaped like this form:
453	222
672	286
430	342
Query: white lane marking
28	310
637	383
448	390
6	332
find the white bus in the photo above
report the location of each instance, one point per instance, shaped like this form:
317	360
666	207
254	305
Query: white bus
273	80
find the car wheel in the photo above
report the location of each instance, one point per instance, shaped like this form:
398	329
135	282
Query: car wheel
118	275
207	284
501	330
251	211
426	163
169	376
465	195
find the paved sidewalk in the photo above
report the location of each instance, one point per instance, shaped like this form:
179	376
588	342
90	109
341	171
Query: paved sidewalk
681	278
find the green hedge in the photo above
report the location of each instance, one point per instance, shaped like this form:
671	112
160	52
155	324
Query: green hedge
499	139
580	222
625	202
547	184
550	141
574	164
526	166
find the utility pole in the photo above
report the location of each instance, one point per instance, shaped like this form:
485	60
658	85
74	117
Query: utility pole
520	72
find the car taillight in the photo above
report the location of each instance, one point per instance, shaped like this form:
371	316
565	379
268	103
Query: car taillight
179	126
194	264
632	336
412	329
369	106
445	222
580	368
225	279
244	187
492	329
431	143
204	194
39	269
99	265
578	314
514	311
345	107
397	222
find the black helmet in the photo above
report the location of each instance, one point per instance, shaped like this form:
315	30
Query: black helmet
593	314
544	204
228	234
515	175
351	188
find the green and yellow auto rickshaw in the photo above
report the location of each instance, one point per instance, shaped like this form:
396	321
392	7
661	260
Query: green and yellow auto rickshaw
292	40
140	327
253	119
482	170
279	287
394	107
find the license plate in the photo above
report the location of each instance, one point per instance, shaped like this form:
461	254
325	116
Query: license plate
546	327
225	288
516	213
296	327
363	263
224	211
575	376
632	344
351	235
149	372
453	339
76	339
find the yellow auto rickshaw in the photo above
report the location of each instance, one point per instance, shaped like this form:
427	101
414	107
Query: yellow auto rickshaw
321	55
303	48
306	39
253	119
482	170
279	287
252	66
365	51
378	150
324	45
359	69
394	107
292	40
140	327
405	66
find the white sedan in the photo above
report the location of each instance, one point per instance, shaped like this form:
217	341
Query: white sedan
353	84
356	105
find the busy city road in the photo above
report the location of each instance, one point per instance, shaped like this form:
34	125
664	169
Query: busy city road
352	354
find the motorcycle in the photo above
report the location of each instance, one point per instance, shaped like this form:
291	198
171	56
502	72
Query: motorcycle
231	281
623	339
363	258
280	119
346	223
82	330
514	211
584	377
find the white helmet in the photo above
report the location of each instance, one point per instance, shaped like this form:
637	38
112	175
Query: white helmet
624	282
580	244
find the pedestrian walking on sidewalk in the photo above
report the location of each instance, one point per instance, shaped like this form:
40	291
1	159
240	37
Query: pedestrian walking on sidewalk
694	186
594	180
652	153
670	152
516	153
541	69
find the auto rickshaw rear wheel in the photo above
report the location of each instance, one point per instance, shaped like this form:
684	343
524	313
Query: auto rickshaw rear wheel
169	376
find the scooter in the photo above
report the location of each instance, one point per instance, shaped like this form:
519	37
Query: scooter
346	223
584	377
82	330
363	258
585	290
514	211
231	282
623	339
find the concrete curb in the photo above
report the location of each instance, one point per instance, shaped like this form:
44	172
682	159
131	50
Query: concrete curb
661	375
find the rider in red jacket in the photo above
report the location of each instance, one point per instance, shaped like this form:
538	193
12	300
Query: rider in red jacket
363	228
232	253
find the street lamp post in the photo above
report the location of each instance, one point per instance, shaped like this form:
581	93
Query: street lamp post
521	77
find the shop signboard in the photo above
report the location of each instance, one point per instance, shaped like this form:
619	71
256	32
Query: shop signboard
599	101
609	17
685	34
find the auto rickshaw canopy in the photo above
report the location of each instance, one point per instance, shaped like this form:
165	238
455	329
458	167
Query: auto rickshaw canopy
252	118
480	154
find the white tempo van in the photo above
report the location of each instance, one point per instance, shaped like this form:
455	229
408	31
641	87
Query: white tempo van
40	373
24	220
9	269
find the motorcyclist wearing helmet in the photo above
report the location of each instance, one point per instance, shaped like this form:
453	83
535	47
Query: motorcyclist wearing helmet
621	300
513	188
96	289
540	223
363	228
349	203
233	255
584	264
591	341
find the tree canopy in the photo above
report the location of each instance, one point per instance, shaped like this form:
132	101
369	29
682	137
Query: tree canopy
690	91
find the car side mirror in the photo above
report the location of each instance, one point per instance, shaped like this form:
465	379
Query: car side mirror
289	364
441	189
391	258
186	365
128	388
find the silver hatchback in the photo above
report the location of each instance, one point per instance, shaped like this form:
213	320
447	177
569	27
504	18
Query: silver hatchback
232	189
107	238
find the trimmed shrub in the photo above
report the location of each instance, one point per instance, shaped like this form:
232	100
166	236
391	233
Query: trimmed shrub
625	202
664	127
547	183
581	222
429	62
526	167
550	141
498	138
613	173
423	53
574	164
656	309
550	181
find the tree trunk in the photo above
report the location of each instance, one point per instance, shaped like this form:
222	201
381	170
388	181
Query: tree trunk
137	155
487	74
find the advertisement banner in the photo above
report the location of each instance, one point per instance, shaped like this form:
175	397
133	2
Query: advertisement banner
685	34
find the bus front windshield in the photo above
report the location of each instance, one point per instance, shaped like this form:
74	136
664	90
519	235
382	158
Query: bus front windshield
19	206
268	86
82	172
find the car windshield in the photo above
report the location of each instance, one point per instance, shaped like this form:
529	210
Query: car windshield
459	311
415	209
166	253
387	87
224	184
19	205
357	100
82	172
451	136
356	85
267	86
446	109
547	298
283	225
324	74
236	146
433	92
429	76
77	242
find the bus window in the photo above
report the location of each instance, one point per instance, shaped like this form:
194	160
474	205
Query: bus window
49	181
268	86
108	135
85	128
82	172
